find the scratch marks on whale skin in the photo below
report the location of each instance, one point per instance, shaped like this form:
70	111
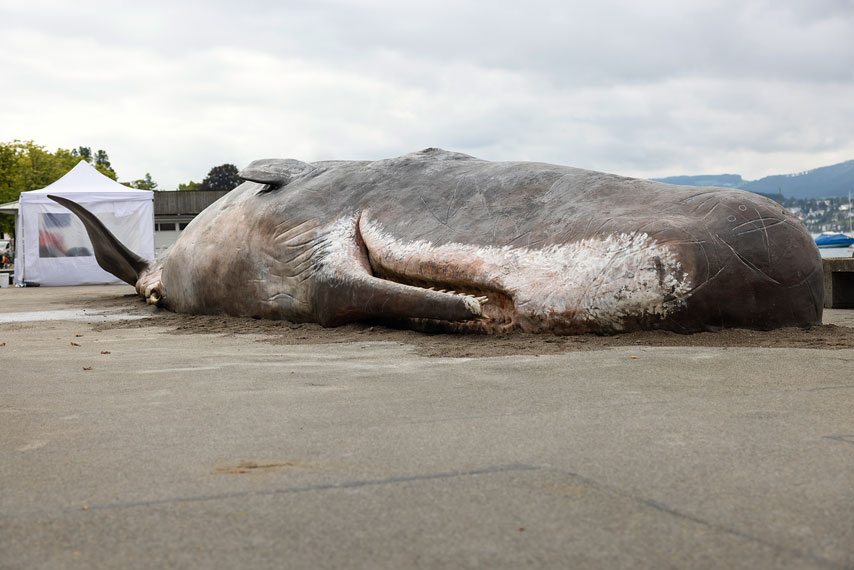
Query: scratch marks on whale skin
753	227
451	209
747	263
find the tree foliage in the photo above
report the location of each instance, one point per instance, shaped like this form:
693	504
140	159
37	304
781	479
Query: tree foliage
100	160
143	183
223	177
25	165
190	186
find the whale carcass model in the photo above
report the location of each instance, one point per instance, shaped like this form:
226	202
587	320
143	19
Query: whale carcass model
444	240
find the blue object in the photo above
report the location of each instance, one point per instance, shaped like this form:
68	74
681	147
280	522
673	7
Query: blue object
834	239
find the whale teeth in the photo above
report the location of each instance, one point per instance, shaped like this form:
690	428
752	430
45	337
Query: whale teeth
153	299
482	300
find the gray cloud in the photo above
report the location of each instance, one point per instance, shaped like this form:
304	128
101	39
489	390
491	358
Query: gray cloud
646	89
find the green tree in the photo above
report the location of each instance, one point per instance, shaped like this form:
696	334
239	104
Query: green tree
143	183
25	165
102	164
83	152
190	186
223	177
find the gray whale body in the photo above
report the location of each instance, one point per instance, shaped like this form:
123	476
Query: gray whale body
442	240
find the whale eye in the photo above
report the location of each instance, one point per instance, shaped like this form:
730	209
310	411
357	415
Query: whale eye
269	188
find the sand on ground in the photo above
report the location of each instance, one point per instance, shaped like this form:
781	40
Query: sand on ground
826	336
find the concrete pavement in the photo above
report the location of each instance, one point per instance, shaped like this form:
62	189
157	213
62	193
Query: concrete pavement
212	451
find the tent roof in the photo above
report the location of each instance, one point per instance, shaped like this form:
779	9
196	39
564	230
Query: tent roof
84	179
9	208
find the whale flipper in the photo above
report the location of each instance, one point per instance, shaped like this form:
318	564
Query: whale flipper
275	172
110	253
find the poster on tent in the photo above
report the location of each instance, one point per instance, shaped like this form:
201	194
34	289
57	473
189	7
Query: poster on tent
63	234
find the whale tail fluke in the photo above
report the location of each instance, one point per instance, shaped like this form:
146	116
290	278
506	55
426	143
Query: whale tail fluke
110	253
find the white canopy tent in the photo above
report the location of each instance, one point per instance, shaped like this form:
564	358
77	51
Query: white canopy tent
51	244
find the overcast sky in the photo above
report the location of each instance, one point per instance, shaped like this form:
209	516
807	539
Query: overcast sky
641	88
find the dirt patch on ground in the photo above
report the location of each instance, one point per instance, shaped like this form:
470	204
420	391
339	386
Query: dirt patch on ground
246	467
460	345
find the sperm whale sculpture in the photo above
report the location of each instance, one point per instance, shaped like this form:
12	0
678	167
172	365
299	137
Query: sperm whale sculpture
446	240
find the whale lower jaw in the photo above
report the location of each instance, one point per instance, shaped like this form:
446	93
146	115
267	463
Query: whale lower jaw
604	285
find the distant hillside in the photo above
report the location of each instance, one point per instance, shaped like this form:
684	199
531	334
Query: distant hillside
719	180
824	182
